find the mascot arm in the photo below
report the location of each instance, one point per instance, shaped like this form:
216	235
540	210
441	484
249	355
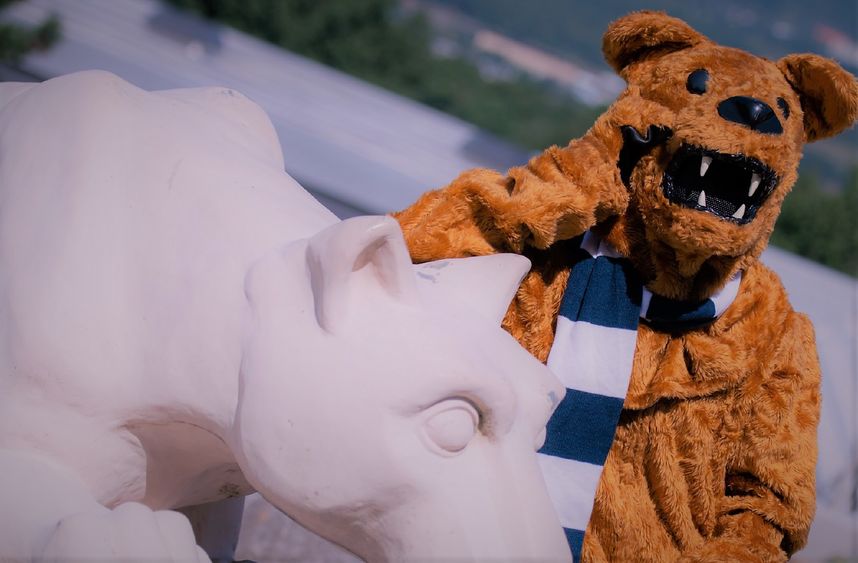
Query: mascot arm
558	195
769	503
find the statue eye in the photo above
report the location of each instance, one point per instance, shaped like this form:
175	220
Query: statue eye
452	426
696	83
784	107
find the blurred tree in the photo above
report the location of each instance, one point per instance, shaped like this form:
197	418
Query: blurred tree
821	226
357	36
15	40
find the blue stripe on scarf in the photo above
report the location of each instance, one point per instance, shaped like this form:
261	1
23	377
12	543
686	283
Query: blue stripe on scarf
582	427
679	315
575	538
598	292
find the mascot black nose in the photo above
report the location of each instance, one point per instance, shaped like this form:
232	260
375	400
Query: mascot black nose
752	113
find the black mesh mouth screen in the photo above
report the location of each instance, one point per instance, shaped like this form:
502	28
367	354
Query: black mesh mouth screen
732	187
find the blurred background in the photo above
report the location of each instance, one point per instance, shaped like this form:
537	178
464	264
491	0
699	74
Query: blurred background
376	101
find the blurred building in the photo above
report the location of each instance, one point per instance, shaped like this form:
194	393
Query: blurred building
362	150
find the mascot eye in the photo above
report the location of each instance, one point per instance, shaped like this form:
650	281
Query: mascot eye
697	80
784	107
451	426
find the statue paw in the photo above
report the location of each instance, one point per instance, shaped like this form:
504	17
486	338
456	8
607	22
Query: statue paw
130	531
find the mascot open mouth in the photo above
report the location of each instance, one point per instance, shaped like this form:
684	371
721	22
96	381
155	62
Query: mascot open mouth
732	187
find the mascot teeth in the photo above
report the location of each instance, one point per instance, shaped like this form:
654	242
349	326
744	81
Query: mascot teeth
755	183
731	187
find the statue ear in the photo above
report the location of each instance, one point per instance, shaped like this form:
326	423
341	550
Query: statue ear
639	34
359	258
483	284
828	94
348	257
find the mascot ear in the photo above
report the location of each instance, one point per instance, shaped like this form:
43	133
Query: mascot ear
639	34
828	94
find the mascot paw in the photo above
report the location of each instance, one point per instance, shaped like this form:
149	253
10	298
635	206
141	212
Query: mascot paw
636	146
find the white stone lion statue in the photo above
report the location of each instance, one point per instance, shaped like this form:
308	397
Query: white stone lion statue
180	322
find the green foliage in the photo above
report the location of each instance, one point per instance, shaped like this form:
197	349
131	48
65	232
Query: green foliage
355	36
364	39
821	226
15	41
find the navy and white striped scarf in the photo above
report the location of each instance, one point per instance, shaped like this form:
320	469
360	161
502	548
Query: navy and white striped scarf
592	355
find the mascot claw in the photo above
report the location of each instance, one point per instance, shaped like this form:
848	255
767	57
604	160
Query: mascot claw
635	146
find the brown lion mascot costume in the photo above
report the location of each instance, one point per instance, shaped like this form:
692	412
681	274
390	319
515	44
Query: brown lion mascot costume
714	449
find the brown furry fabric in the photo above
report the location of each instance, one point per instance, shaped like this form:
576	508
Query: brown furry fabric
715	453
